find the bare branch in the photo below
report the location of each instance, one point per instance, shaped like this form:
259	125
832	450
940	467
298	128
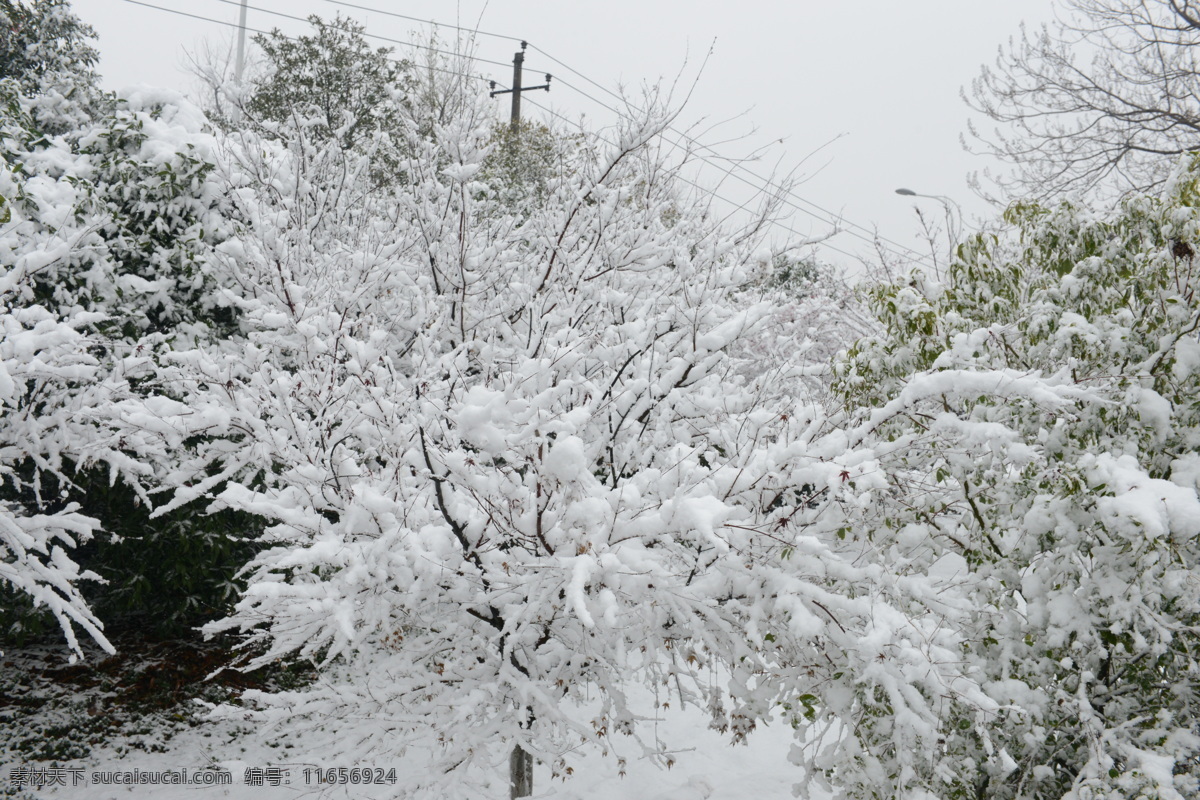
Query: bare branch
1101	102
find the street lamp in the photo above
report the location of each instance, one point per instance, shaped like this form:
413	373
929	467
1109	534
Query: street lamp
953	210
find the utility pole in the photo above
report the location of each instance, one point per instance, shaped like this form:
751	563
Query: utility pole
237	73
517	88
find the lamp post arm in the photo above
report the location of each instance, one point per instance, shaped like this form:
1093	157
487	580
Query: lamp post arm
953	210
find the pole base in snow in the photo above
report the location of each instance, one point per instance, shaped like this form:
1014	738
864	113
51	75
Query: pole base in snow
520	771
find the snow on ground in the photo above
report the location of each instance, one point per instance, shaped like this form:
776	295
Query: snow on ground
757	770
74	716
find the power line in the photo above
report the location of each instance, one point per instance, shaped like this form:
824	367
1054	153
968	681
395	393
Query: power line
193	16
792	199
228	24
363	33
476	31
829	218
707	190
763	183
829	214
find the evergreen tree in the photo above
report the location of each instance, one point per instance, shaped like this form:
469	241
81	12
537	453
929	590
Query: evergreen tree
46	50
522	165
333	80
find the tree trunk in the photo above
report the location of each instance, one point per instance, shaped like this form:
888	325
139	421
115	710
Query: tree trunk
520	771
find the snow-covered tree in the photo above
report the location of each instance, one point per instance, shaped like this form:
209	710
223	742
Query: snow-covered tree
333	77
47	52
1037	423
521	163
817	313
329	85
483	442
513	460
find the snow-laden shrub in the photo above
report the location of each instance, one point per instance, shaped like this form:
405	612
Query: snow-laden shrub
1039	415
109	213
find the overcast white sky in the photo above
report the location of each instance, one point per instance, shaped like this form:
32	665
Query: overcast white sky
872	85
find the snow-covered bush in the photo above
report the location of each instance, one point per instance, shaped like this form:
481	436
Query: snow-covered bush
1037	421
109	212
52	388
